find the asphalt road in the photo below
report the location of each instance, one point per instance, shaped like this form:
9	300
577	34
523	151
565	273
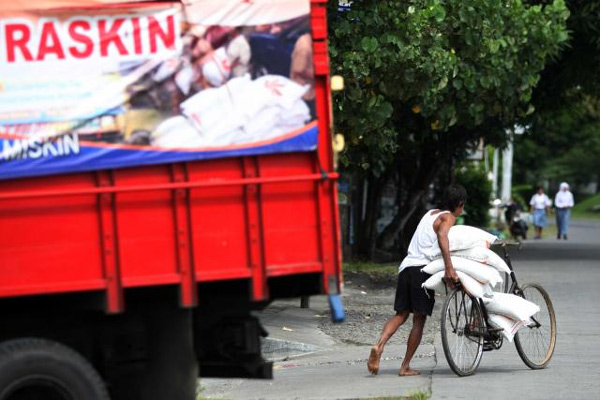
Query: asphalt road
316	363
570	272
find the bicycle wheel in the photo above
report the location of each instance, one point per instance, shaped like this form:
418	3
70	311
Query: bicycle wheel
462	332
535	342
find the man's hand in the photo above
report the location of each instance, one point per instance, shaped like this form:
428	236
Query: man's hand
451	277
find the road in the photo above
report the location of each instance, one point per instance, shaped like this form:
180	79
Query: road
317	362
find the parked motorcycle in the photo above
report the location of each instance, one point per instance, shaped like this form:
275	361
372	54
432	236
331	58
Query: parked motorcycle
516	224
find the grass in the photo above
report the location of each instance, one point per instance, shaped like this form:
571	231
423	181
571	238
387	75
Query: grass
371	267
413	395
583	210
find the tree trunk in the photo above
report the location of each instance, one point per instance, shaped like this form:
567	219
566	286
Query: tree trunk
414	180
367	206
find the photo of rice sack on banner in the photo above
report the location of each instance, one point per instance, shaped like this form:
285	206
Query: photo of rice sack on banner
87	85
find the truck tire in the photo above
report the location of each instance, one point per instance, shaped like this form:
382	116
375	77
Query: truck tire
42	369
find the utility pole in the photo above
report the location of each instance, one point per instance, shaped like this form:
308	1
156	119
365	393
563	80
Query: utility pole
495	174
507	162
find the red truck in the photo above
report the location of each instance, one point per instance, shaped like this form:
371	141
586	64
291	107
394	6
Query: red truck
156	188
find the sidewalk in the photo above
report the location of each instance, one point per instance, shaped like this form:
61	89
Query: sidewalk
293	331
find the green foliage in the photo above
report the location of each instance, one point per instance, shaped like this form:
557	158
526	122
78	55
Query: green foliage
418	70
562	144
588	208
479	189
522	193
564	132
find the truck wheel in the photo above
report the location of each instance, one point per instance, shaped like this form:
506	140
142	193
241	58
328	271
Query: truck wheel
32	369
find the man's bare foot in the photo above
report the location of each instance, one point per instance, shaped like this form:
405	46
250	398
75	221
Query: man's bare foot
408	372
373	363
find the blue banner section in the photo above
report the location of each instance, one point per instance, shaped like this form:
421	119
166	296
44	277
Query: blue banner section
68	155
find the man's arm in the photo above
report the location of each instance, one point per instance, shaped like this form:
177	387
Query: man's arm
441	228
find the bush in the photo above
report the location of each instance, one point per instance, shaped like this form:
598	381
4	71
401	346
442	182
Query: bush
479	189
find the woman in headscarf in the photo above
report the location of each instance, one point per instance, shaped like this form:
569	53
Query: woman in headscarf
563	201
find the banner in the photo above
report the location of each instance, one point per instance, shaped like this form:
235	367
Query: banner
118	85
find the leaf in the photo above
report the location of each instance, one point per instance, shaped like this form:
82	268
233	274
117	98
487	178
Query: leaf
372	100
494	46
530	110
443	83
439	13
369	44
453	120
457	84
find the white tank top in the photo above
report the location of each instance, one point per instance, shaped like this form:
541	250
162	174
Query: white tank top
422	241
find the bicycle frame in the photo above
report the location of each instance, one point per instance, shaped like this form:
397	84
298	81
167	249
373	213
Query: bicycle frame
494	340
514	287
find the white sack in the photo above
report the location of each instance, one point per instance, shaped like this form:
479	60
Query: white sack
241	111
509	326
435	283
483	255
481	272
463	237
174	132
471	285
512	306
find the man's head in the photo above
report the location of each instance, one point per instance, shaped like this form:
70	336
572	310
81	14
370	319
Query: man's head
564	186
455	198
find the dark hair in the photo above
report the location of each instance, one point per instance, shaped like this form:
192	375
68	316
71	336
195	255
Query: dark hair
454	196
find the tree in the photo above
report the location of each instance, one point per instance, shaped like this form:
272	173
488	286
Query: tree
563	135
474	179
426	78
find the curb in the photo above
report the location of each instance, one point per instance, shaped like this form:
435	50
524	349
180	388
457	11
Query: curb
280	350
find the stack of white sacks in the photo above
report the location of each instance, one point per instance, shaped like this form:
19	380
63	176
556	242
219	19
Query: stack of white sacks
479	269
241	111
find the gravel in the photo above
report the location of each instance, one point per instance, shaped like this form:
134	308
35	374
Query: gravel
369	303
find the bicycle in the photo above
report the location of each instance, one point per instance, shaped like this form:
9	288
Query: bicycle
467	333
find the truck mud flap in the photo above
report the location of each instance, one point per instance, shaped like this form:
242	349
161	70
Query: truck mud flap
231	348
337	308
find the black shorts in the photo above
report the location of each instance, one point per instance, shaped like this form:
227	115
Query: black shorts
410	296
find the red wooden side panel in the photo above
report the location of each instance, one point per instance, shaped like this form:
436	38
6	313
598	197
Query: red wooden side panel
290	216
218	222
146	230
49	244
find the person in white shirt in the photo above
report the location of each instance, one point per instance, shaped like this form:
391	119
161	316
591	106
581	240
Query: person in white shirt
539	207
563	202
410	296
